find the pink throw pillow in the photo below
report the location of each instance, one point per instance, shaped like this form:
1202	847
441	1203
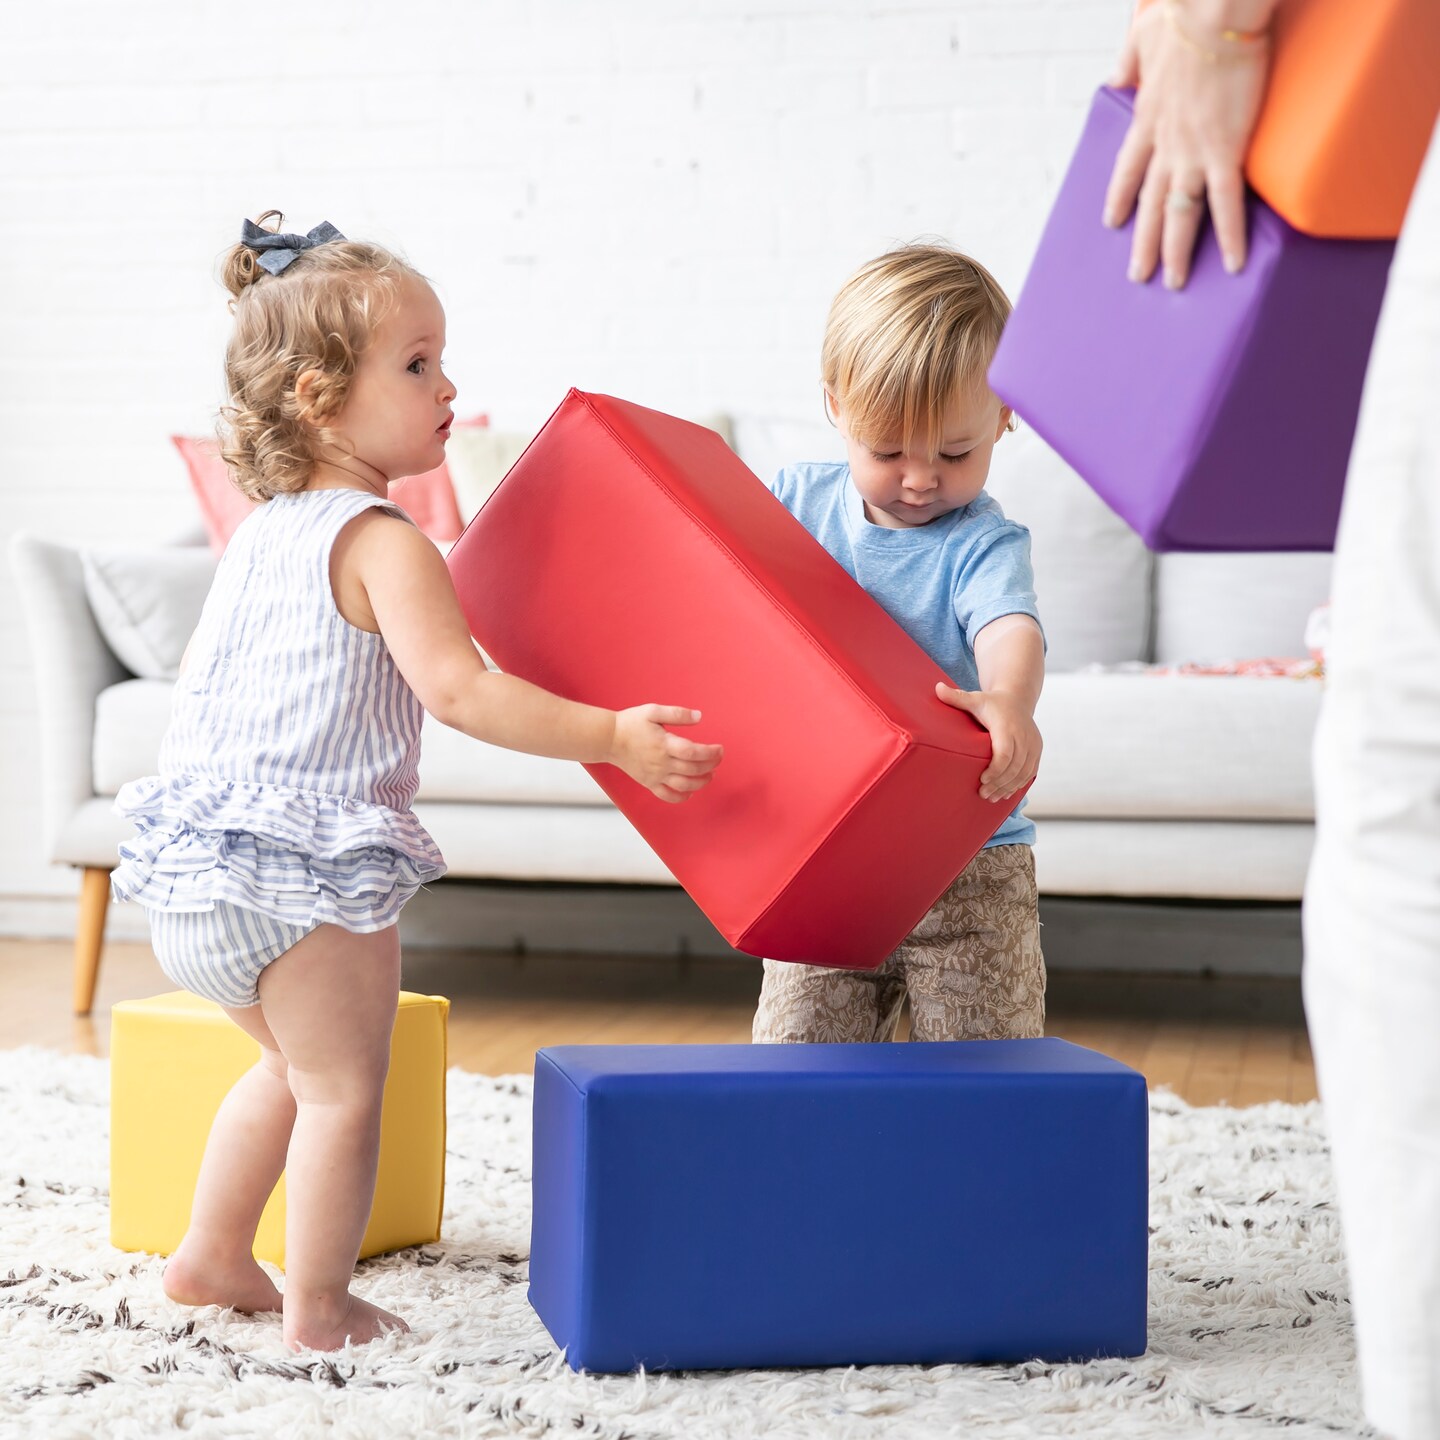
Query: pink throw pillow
428	499
222	506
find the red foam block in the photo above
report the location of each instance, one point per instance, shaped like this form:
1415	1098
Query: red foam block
630	557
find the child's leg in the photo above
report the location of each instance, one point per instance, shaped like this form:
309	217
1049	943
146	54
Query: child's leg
973	967
800	1003
330	1002
214	1264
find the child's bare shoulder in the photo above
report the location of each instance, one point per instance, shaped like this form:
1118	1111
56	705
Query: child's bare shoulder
380	533
378	548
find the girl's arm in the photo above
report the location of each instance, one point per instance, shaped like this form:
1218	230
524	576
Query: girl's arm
1010	656
389	578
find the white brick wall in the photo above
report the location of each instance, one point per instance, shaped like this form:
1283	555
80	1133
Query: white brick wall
649	197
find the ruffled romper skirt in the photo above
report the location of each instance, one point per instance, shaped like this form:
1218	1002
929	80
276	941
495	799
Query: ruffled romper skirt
287	771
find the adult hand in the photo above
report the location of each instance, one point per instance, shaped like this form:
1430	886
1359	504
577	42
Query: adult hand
1200	69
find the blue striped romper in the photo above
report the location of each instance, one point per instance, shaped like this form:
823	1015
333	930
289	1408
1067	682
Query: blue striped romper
287	771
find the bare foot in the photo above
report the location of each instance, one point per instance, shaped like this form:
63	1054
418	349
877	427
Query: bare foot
192	1278
357	1321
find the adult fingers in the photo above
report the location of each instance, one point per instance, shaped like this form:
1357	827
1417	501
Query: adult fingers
1149	219
1128	172
1184	208
1226	187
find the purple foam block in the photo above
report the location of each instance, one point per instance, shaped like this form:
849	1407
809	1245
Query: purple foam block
1217	417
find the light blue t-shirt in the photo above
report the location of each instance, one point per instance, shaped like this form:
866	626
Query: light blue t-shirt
942	582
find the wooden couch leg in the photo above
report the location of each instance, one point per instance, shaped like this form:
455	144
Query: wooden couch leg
89	935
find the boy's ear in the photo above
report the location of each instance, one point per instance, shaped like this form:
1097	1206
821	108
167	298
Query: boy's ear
1007	421
832	410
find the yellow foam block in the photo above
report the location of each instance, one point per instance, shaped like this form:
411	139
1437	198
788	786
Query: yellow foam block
174	1057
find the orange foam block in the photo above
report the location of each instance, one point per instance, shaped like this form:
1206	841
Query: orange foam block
630	557
1350	104
1348	113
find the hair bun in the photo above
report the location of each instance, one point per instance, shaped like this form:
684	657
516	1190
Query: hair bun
241	267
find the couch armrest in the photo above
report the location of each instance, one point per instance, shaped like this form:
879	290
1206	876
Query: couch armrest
73	664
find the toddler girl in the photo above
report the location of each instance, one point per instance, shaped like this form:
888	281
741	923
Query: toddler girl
907	344
277	846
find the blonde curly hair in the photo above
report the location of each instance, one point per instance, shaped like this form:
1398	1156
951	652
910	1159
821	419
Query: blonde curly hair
319	314
909	332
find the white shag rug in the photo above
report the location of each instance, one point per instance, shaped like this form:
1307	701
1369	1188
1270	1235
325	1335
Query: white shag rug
1249	1322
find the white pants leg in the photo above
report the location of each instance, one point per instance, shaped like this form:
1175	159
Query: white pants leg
1372	900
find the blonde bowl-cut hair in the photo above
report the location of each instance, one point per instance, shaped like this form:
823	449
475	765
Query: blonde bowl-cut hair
908	334
319	314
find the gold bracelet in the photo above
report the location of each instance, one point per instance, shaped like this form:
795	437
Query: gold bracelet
1249	40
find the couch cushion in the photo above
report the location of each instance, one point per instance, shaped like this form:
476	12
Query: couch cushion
1236	607
455	767
1175	748
478	458
147	603
768	443
592	843
1190	859
1092	573
130	719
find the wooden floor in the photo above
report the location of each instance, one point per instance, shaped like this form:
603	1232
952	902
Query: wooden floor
1211	1040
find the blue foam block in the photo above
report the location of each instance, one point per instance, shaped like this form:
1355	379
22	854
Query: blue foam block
746	1206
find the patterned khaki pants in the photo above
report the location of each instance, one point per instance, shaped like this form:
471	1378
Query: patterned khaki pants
972	969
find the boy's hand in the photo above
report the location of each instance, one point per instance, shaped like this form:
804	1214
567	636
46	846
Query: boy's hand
1015	742
666	765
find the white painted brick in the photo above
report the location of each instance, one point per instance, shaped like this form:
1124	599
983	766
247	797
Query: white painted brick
1074	80
1059	29
66	109
681	41
1006	81
916	86
1046	133
891	39
784	9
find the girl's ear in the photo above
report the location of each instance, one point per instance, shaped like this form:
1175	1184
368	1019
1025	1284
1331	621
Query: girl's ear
311	396
306	384
832	410
1007	422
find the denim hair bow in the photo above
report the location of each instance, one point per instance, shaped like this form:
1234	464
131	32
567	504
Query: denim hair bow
277	251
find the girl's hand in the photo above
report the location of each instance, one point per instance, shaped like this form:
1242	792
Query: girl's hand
1198	99
666	765
1014	740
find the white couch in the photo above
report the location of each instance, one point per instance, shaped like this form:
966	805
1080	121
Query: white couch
1151	786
